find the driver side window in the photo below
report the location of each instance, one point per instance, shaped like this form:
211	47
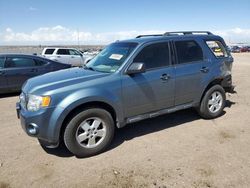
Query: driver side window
154	56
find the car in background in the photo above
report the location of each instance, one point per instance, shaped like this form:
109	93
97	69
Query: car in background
70	56
244	49
15	69
235	49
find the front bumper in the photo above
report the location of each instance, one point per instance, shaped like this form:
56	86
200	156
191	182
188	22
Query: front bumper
38	124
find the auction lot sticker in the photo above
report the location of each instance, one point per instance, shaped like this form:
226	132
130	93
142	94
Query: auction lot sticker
116	56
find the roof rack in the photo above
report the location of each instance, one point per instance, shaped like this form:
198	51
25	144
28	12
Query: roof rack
154	35
187	33
177	33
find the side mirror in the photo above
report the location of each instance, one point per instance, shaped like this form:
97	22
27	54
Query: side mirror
135	68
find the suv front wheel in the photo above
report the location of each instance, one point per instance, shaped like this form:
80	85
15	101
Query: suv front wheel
212	103
89	132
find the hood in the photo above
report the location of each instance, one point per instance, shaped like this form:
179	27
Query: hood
59	79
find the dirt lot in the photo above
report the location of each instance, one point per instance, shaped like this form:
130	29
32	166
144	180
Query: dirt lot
176	150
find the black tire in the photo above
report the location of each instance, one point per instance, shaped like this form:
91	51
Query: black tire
73	127
203	109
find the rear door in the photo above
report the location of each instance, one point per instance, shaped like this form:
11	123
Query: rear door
18	70
63	56
190	67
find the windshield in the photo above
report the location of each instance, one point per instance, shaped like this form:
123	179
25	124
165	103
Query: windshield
112	57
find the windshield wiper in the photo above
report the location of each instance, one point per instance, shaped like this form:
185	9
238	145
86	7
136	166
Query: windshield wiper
88	68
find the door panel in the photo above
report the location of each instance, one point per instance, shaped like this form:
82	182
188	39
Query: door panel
189	71
154	89
18	70
63	56
75	58
188	82
147	92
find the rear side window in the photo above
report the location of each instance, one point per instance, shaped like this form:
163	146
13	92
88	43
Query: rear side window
217	48
49	51
154	55
188	51
2	59
63	52
19	62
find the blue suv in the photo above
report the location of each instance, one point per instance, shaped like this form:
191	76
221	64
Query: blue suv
128	81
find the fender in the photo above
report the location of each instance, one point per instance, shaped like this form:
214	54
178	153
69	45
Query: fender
78	98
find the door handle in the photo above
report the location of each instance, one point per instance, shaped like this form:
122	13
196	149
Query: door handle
204	69
165	77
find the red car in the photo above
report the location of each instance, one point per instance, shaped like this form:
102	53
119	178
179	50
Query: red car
244	49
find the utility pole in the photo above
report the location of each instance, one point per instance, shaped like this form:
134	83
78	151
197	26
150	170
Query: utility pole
78	43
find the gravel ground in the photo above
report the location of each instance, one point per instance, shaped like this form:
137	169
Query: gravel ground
175	150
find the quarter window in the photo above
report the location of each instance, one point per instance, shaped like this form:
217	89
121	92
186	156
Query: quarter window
188	51
217	48
154	55
19	62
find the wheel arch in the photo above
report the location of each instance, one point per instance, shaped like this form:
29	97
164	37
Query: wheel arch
83	106
216	81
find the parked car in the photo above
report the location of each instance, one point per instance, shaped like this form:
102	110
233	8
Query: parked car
15	69
128	81
244	49
235	49
68	56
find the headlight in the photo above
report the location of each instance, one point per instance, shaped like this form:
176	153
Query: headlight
36	102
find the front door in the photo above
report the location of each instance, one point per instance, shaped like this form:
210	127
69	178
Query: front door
76	58
18	70
154	89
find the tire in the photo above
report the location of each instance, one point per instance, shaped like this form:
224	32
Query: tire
89	132
213	102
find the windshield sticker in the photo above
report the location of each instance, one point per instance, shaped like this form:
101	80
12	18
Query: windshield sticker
116	56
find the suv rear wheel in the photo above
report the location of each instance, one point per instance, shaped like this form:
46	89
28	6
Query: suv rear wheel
213	102
89	132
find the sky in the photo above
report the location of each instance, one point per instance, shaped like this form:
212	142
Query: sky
82	22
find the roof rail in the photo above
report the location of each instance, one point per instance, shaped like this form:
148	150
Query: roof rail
154	35
187	33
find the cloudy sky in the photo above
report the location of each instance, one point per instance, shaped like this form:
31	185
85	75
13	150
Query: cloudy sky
101	22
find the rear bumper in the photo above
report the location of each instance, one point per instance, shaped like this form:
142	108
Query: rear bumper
230	89
227	84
